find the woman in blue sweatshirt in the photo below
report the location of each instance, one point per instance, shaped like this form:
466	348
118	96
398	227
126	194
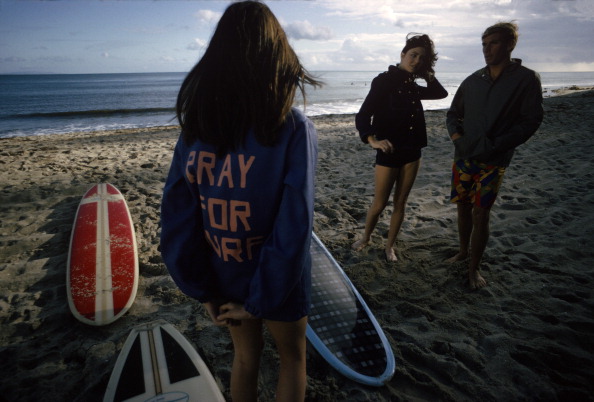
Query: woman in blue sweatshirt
237	209
392	121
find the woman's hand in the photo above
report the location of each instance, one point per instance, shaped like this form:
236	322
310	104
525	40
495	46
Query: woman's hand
383	145
213	310
232	314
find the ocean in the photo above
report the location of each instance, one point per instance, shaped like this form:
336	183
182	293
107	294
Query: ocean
53	104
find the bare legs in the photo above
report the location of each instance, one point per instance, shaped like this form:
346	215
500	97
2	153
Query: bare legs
291	345
384	181
385	178
248	342
473	232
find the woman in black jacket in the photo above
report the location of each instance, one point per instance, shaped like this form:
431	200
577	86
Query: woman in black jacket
392	121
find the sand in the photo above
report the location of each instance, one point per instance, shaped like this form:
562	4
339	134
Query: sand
529	335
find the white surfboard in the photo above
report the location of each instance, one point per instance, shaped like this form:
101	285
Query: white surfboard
341	327
157	363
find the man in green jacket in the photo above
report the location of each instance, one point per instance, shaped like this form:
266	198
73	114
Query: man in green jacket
495	109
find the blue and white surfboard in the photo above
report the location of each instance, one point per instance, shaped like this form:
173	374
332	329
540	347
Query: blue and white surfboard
341	327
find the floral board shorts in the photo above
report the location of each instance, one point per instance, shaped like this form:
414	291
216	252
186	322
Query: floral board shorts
475	182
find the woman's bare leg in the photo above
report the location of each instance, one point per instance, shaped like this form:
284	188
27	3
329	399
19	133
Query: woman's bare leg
247	343
289	338
384	181
405	179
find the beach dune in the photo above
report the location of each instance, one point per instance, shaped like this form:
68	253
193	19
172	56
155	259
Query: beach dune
527	336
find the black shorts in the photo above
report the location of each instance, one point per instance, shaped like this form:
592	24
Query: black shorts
398	158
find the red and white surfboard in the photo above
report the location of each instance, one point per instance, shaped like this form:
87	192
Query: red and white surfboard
102	271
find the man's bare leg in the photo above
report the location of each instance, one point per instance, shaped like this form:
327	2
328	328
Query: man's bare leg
464	231
479	238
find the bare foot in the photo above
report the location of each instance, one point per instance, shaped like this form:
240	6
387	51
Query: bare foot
476	280
458	257
360	244
391	255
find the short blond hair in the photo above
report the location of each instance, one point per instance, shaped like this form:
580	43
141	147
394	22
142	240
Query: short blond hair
508	30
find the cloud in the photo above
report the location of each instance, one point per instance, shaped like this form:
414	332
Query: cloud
555	35
552	32
305	30
351	54
208	16
562	67
12	59
358	53
59	59
197	44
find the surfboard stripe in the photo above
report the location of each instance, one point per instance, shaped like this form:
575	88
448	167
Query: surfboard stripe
103	297
154	362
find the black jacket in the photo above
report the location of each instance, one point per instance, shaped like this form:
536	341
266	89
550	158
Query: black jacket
494	117
392	110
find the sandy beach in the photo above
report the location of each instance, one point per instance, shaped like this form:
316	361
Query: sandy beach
527	336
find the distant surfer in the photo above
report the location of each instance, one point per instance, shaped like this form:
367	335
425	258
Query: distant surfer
496	109
237	210
392	121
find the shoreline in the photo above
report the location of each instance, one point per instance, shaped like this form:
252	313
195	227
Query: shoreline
547	93
526	336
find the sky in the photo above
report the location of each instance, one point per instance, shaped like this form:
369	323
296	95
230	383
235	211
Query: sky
131	36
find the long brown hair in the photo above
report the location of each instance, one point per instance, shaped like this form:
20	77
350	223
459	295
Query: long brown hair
246	79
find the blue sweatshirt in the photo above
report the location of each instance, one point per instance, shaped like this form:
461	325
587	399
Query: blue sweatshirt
237	227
